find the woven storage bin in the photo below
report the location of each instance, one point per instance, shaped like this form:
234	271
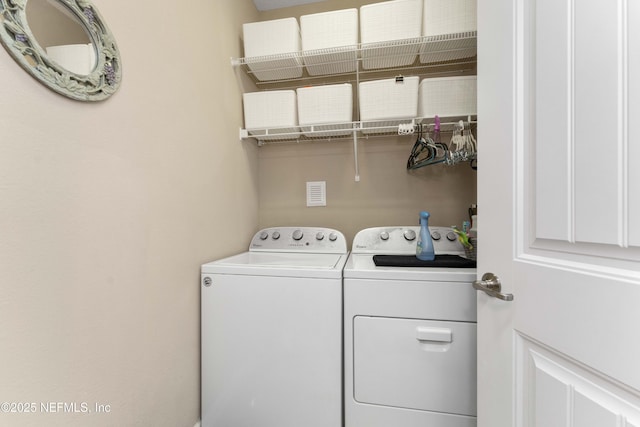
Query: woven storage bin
329	109
275	111
278	39
446	17
385	22
388	102
448	97
329	41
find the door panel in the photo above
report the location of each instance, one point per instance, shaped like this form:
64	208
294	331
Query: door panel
579	189
580	125
598	139
553	125
563	393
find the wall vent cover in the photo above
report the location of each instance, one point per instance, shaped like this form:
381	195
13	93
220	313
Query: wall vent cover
316	193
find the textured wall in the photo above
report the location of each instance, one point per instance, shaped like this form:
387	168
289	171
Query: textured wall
386	195
107	211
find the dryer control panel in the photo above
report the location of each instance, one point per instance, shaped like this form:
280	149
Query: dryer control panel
403	240
299	239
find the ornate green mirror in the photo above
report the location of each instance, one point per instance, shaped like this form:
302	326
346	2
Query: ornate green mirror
64	44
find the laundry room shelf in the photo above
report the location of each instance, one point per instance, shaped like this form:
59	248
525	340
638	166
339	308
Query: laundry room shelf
347	131
431	54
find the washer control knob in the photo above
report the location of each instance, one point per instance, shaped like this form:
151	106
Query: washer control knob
333	237
320	235
436	235
275	235
410	235
264	235
384	236
297	235
451	236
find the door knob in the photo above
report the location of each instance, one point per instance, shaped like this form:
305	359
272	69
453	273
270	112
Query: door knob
490	285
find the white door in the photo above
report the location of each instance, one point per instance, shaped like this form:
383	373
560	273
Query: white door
559	223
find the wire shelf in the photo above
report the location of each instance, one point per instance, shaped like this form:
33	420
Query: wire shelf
446	49
347	131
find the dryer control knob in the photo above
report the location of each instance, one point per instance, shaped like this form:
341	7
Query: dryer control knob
436	235
384	235
297	235
451	236
264	235
275	235
333	237
410	235
320	235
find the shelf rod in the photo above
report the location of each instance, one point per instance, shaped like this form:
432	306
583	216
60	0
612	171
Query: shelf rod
355	154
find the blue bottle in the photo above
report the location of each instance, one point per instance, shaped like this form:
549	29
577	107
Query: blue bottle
424	249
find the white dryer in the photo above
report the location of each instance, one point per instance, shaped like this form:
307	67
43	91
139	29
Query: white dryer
272	332
409	331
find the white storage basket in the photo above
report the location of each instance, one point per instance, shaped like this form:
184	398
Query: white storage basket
387	103
279	41
269	114
326	110
449	16
382	23
329	41
448	97
443	18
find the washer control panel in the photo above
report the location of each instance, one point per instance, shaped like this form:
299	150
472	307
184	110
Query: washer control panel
299	239
403	241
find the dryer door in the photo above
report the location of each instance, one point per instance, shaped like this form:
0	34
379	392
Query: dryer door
415	364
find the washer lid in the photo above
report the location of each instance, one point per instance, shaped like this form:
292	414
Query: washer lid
279	264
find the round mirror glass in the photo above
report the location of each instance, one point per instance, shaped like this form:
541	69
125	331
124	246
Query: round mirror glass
61	35
64	44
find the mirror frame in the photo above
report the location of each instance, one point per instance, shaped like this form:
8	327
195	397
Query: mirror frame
18	40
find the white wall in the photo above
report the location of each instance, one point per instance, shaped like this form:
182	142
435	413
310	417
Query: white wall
107	211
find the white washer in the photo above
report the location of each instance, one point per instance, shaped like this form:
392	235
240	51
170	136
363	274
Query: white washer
410	334
272	332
